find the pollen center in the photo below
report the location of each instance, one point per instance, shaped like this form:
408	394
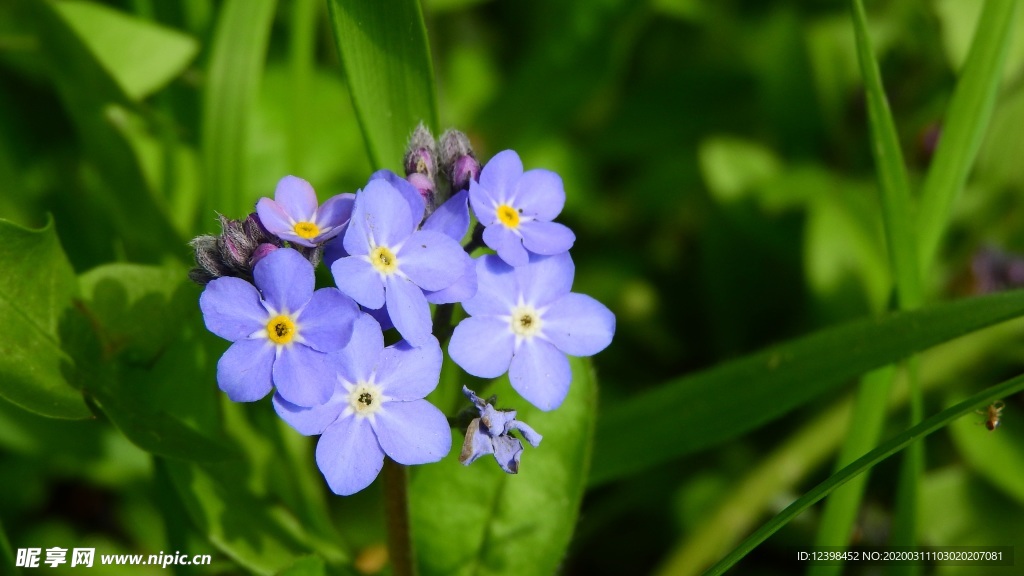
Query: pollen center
281	329
383	260
508	216
365	398
306	230
525	322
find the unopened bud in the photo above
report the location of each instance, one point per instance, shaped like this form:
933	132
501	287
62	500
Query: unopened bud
421	154
261	251
232	252
458	162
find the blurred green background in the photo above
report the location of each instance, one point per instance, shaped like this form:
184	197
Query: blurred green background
719	178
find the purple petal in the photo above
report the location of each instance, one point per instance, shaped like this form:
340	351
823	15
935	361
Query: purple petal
451	218
285	278
408	309
355	276
500	175
381	316
274	219
334	250
546	238
296	197
482	346
545	279
507	244
496	292
414	432
358	360
539	193
408	191
507	451
462	290
579	325
476	444
407	373
529	434
333	215
314	420
431	260
232	309
380	218
302	376
326	322
244	371
483	204
540	373
349	455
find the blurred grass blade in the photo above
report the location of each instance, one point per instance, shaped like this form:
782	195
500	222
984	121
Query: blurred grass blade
36	289
383	46
965	123
301	64
704	409
883	451
6	554
892	172
481	520
232	85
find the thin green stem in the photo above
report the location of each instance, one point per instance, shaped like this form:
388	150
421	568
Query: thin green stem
396	507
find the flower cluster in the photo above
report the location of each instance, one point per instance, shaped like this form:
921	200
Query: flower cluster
393	250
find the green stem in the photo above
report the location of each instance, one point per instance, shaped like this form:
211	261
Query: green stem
396	507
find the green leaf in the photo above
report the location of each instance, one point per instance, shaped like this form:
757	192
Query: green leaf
733	166
233	83
883	451
140	55
36	288
307	566
6	555
383	46
965	123
479	520
892	172
142	356
701	410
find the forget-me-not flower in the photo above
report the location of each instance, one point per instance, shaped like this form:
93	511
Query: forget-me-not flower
377	409
280	328
517	209
491	433
525	320
391	263
293	214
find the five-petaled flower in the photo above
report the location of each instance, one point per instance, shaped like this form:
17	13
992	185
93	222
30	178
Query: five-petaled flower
525	320
517	209
391	263
282	330
377	409
293	214
491	433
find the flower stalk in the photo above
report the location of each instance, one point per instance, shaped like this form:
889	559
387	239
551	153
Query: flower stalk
396	510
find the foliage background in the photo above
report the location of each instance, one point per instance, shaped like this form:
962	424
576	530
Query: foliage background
719	176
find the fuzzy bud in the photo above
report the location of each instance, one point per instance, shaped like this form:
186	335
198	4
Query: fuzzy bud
232	253
458	162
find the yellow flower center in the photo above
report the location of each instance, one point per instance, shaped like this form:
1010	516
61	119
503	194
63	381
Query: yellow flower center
281	329
526	321
508	216
306	230
365	398
383	260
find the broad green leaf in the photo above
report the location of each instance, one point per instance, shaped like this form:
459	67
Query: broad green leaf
883	451
140	55
965	123
36	288
140	354
478	520
232	85
704	409
891	170
248	529
383	46
97	105
307	566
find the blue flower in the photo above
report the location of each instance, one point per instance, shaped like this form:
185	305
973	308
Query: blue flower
491	433
377	409
517	209
281	329
525	320
293	214
391	263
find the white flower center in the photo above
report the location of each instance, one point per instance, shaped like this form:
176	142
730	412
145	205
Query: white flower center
365	398
525	321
